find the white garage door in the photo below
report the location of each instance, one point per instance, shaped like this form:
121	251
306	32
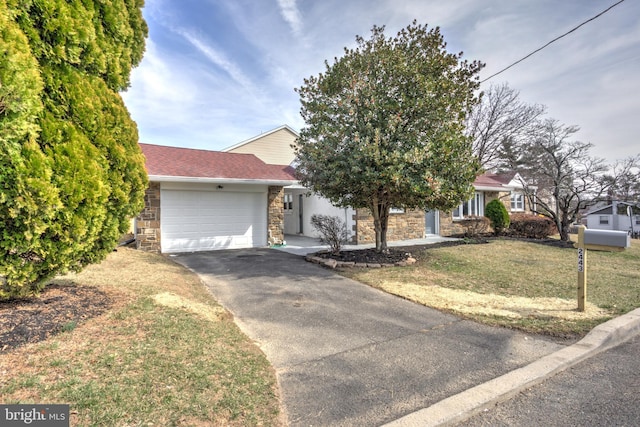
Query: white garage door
206	220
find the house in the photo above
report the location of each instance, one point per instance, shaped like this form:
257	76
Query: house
247	196
615	216
276	146
300	205
205	200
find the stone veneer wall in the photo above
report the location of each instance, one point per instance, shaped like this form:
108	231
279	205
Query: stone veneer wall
405	226
148	222
275	218
448	227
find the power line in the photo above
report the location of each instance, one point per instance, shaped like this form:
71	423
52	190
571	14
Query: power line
552	41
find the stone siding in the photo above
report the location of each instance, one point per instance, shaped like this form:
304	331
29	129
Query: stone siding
148	222
275	218
449	227
401	226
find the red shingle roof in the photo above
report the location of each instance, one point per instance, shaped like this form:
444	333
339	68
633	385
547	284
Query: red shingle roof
493	179
187	162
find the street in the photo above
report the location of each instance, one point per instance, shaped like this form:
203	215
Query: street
601	391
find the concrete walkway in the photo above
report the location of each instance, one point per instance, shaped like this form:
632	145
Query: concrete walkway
347	354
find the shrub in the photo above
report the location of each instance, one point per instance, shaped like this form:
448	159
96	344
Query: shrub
71	171
474	226
498	215
332	230
532	226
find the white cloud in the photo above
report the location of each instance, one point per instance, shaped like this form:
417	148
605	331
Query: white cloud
214	84
219	59
290	12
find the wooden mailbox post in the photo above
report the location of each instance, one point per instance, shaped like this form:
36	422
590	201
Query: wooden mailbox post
599	240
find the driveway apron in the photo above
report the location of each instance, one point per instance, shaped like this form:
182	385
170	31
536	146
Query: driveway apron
348	354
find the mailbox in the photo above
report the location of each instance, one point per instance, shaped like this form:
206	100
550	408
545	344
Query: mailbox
599	240
606	239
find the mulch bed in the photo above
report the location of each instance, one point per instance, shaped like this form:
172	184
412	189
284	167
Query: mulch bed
397	254
367	256
58	307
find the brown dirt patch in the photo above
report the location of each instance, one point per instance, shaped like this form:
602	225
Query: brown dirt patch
59	307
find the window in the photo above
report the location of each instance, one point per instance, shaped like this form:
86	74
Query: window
517	201
604	219
288	202
473	207
637	219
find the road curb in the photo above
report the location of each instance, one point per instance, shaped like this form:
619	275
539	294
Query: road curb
468	403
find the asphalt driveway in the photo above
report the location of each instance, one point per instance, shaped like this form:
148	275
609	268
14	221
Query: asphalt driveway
347	354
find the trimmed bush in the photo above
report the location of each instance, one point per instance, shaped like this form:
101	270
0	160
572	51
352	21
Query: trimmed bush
333	231
532	226
474	226
498	215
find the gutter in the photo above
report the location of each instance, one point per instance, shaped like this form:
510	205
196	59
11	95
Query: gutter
203	180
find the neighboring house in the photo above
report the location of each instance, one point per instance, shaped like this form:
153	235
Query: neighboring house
615	216
205	200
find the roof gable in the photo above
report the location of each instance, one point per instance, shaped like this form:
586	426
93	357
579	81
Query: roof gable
497	182
609	209
273	147
187	162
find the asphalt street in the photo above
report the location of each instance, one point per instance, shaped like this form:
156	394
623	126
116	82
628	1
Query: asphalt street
603	390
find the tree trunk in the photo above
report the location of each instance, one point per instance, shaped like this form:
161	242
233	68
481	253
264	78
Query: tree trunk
563	227
380	212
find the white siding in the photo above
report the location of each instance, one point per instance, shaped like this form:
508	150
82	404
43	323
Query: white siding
312	205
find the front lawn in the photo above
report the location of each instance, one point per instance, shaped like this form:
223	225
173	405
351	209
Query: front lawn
164	353
515	284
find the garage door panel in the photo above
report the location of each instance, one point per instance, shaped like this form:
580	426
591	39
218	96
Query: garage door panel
203	220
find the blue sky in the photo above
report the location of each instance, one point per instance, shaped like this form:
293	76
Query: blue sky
217	72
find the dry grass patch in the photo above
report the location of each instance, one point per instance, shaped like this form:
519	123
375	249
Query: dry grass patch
516	284
166	354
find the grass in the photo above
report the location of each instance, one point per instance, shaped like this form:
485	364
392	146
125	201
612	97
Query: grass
516	284
167	354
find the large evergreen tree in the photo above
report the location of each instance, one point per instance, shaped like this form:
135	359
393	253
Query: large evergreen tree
71	171
385	126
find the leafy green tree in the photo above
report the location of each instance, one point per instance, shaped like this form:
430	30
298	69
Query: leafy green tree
71	171
385	126
498	215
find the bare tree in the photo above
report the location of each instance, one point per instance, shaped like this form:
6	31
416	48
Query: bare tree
624	178
500	117
561	177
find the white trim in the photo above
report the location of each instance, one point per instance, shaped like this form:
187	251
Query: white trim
514	204
166	178
487	188
477	201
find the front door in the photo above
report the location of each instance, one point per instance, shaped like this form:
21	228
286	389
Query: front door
431	222
300	213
